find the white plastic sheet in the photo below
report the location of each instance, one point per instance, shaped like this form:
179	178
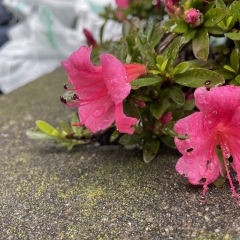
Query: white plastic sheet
47	34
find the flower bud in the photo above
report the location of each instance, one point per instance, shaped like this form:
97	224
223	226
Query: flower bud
194	17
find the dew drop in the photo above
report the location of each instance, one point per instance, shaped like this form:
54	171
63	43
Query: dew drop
99	112
208	82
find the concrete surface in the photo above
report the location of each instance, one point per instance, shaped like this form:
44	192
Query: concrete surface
106	192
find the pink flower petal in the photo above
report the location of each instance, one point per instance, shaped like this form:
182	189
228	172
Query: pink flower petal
101	114
124	123
115	77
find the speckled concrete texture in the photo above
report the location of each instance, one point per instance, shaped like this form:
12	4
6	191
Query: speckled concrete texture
91	192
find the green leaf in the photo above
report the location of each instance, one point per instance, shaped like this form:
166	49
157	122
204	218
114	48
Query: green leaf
238	78
147	52
180	68
233	14
220	4
177	95
39	135
214	16
200	44
47	128
146	81
171	52
224	73
189	104
65	127
156	35
199	77
208	7
126	28
168	141
158	109
149	31
114	136
150	150
188	36
131	140
229	68
234	60
175	25
234	35
215	30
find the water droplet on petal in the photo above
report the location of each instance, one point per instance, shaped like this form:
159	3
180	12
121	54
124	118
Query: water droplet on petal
225	150
208	82
99	112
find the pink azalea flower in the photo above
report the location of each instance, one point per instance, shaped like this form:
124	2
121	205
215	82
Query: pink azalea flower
100	90
217	124
122	3
192	16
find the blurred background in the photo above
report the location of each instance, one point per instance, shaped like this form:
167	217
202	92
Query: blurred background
36	35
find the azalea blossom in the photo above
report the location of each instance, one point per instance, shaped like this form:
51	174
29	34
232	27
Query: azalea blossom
100	90
216	125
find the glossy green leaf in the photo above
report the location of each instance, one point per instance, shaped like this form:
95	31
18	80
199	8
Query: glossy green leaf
177	95
114	136
229	68
233	12
175	26
220	4
198	78
207	7
200	44
188	36
158	109
146	81
47	128
224	73
234	60
216	30
147	52
180	68
156	35
234	35
171	52
150	150
214	16
131	140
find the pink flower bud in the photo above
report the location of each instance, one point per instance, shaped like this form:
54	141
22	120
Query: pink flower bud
192	16
90	40
171	5
122	3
